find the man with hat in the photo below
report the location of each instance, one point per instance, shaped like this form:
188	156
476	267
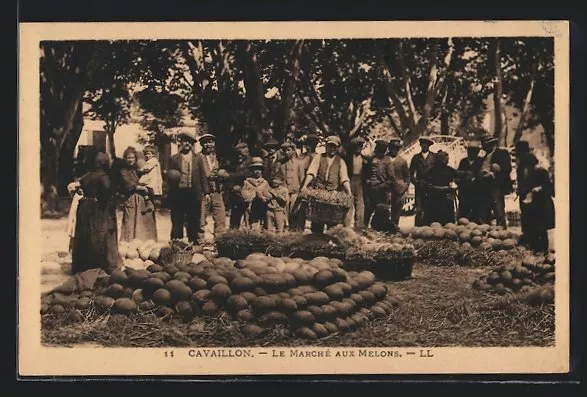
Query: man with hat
420	164
356	164
239	172
378	185
310	143
255	193
400	181
328	171
495	181
469	194
189	191
535	192
290	170
271	157
214	206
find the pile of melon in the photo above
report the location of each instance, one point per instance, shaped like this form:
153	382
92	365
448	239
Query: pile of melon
520	276
139	254
313	298
468	234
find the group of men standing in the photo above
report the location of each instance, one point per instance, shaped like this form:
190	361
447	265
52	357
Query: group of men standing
263	191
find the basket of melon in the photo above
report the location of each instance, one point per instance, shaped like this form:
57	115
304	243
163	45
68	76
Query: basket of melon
139	254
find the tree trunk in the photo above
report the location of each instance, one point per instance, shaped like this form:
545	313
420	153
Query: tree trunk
255	94
497	93
280	131
65	166
111	143
526	105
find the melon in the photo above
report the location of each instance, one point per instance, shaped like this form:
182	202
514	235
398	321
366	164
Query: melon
263	304
368	297
236	303
196	284
287	305
124	306
83	303
334	292
249	296
104	302
152	284
179	291
114	291
138	296
146	306
379	290
118	276
212	281
342	325
317	298
303	318
210	308
273	318
184	308
201	296
162	297
220	292
246	316
164	311
300	301
251	330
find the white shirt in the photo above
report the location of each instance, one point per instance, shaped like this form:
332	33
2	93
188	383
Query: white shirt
425	154
315	165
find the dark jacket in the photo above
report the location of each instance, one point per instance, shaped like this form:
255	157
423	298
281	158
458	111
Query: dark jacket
420	165
502	180
348	159
199	177
402	176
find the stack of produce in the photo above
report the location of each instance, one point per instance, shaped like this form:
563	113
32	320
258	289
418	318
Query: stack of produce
314	298
466	233
139	254
520	276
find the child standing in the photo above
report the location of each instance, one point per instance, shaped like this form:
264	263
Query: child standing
151	178
276	206
255	193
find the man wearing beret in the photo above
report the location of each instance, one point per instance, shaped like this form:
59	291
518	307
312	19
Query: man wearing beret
495	181
290	170
187	194
420	164
356	164
400	181
469	194
328	171
214	206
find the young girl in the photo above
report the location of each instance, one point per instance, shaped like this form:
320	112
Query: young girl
151	178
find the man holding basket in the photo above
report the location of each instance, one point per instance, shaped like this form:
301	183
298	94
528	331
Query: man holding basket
328	172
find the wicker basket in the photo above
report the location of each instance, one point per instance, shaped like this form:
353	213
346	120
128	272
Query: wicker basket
325	212
182	257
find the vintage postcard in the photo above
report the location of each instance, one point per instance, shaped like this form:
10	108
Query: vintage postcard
293	198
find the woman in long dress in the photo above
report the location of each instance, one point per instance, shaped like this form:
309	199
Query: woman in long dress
136	222
95	242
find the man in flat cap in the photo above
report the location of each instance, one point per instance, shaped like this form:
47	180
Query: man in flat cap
378	181
240	172
310	143
495	181
469	194
216	175
328	171
400	181
356	164
270	159
291	171
189	191
420	164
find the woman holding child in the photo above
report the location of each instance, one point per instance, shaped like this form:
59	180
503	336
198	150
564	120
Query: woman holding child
138	221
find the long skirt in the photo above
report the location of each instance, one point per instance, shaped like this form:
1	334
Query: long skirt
136	223
95	244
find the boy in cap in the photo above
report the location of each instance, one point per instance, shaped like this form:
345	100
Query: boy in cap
328	171
276	206
495	181
191	188
271	158
420	164
255	193
214	206
356	164
290	170
469	194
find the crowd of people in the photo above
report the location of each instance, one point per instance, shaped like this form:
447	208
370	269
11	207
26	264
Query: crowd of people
263	191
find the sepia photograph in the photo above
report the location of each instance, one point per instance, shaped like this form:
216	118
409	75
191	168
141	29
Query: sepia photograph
386	197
